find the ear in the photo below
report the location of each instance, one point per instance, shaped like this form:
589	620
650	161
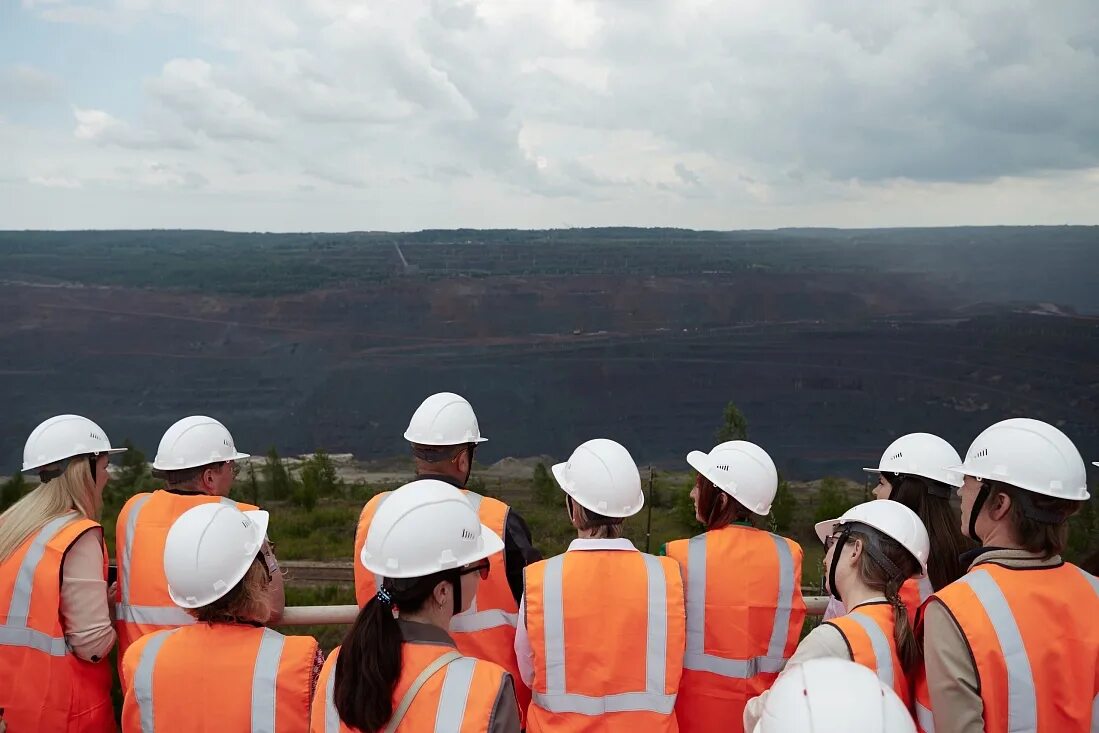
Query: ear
1000	508
207	478
462	460
442	592
853	549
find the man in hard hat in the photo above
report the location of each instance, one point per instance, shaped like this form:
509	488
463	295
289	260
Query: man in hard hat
444	434
197	457
1013	644
602	626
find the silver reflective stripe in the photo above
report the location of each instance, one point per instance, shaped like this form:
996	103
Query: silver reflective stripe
656	635
696	657
452	699
1092	580
331	717
33	639
153	615
143	680
553	621
785	602
883	654
925	718
653	698
1022	705
128	549
925	589
1095	714
473	620
24	579
265	681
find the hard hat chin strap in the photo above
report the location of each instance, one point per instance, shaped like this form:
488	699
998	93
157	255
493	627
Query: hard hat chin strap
978	504
870	546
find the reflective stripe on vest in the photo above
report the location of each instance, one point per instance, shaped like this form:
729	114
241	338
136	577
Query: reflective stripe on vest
151	615
455	693
331	717
143	680
653	698
883	654
925	718
1022	704
696	657
265	681
14	631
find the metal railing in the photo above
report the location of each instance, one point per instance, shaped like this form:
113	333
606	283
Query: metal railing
319	615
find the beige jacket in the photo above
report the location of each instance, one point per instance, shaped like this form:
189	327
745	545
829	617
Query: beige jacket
951	672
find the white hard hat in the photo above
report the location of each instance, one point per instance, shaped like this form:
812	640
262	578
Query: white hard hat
64	436
742	470
921	454
831	695
444	419
195	441
209	548
425	527
892	519
1030	454
601	476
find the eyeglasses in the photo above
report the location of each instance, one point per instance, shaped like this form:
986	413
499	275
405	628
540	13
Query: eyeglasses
234	467
481	567
830	540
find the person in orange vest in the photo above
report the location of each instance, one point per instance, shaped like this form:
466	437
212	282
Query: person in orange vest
829	695
197	457
872	550
398	668
739	634
55	624
601	627
444	434
1013	645
913	471
225	672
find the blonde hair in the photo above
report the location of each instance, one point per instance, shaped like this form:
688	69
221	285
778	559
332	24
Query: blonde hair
72	490
247	602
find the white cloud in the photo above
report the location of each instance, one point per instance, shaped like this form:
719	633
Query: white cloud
683	112
27	84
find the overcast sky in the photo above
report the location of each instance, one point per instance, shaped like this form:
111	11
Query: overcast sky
409	114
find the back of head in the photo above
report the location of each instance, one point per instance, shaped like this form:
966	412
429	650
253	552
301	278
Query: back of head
742	470
1039	468
832	696
193	442
421	535
601	476
444	419
210	550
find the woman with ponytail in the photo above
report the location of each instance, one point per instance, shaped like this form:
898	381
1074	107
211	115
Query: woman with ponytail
55	623
872	550
398	670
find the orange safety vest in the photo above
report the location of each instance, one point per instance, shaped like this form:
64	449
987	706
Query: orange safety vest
1033	637
914	593
143	604
218	677
607	630
43	686
868	631
744	616
486	630
459	698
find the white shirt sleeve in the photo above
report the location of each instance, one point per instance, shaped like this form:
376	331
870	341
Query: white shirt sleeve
524	654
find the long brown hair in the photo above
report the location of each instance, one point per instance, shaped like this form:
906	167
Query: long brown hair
718	508
369	664
887	581
930	501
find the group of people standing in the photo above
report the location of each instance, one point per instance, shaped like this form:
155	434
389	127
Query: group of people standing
937	622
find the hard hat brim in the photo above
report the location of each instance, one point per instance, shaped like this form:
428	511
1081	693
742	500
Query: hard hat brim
413	439
702	463
558	471
874	470
237	456
41	464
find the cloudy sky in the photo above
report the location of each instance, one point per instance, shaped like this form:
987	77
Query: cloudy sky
407	114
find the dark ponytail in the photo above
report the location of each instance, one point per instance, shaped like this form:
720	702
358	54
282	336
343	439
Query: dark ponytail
930	500
879	553
369	664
